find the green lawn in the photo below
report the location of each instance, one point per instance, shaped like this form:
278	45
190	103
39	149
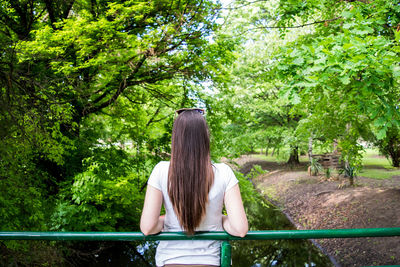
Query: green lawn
374	161
279	159
379	173
266	158
372	158
375	166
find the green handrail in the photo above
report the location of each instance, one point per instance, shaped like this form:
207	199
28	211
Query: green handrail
251	235
225	246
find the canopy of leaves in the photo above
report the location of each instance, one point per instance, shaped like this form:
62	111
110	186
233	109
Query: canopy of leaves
88	92
334	65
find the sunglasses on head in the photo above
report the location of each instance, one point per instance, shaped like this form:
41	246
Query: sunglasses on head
199	110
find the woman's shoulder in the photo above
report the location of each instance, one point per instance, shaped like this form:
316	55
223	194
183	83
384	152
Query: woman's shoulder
224	176
162	165
222	167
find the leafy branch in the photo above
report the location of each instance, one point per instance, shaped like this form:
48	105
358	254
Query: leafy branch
294	27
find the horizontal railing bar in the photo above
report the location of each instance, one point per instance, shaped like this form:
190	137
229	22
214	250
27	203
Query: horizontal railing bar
251	235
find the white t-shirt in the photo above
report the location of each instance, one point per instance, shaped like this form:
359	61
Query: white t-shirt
192	251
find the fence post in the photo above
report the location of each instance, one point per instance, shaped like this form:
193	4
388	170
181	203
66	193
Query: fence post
225	254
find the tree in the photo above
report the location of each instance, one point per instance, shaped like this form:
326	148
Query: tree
65	60
344	72
390	145
262	118
79	80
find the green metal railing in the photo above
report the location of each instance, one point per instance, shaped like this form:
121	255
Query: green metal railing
225	247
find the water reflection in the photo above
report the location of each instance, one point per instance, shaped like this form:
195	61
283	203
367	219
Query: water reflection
277	253
133	254
265	216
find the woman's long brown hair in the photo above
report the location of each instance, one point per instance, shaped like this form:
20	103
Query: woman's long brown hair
190	173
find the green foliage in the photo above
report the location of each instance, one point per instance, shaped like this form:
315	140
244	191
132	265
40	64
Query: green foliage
350	171
390	145
329	71
255	171
254	203
22	206
257	116
315	167
328	173
104	197
343	72
352	151
246	187
84	83
88	90
80	74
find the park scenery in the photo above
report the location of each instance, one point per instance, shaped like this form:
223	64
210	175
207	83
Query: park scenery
301	98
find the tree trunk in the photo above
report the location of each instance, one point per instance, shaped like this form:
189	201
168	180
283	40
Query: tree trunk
251	149
310	143
390	146
294	156
346	162
351	179
395	161
394	152
335	146
266	151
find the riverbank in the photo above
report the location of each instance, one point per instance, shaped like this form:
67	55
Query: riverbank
314	203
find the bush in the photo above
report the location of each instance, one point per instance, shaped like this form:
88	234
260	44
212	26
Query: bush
315	167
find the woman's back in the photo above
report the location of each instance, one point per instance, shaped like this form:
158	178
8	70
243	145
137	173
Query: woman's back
193	192
193	252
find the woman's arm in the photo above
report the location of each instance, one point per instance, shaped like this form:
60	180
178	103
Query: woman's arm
151	222
235	223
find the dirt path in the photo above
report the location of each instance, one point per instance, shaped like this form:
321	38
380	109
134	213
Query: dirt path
312	203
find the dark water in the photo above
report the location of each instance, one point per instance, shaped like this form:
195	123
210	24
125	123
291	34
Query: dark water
262	216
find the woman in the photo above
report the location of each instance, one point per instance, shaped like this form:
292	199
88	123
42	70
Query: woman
193	192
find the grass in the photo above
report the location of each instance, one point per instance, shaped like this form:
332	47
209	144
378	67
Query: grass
372	158
375	165
379	174
371	161
279	159
266	158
